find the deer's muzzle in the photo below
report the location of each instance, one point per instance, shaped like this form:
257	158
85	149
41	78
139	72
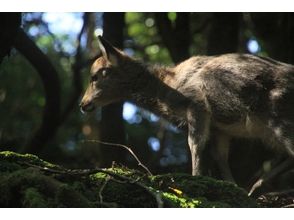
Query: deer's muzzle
87	107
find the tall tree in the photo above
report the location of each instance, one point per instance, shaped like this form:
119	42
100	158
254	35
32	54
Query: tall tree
112	124
175	36
9	25
223	35
276	31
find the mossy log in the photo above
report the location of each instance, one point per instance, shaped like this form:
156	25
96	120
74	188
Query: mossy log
27	181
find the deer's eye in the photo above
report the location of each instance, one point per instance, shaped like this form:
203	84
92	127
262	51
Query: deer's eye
94	78
104	73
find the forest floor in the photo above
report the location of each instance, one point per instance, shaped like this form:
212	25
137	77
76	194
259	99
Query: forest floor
28	181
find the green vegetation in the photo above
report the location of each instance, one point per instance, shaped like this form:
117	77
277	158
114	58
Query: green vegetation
28	181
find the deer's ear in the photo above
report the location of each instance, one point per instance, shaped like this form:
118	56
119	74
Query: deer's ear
108	51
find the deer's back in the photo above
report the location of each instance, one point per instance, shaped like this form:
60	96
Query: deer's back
236	85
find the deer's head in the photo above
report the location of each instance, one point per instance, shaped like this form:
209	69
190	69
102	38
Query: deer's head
107	78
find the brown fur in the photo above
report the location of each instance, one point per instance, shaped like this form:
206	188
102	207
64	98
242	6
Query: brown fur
226	96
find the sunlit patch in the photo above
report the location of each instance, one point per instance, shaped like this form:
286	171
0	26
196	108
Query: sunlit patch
153	49
172	16
65	27
173	128
149	22
2	95
137	119
34	30
129	111
253	46
68	47
129	51
98	32
278	132
64	22
154	143
154	118
276	94
267	166
86	130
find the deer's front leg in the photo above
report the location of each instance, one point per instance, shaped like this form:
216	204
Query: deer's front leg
198	131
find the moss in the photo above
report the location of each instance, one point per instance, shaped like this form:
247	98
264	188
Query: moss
23	184
33	198
25	158
67	197
123	193
27	188
98	176
215	192
177	201
14	186
7	166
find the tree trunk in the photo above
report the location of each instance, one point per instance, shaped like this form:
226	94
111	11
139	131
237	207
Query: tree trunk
175	37
224	33
112	124
9	24
276	32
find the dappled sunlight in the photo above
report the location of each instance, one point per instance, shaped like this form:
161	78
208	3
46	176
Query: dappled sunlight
129	111
253	46
154	143
60	23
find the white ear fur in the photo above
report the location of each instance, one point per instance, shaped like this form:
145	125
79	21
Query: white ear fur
102	49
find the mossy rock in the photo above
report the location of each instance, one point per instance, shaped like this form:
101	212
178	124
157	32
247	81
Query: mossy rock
201	191
9	159
27	181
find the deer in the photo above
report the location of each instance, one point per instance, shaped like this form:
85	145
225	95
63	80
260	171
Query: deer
211	97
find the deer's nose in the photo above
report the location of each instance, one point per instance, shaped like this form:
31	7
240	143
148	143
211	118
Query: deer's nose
86	107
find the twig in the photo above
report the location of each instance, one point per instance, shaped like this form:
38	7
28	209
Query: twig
288	206
271	174
102	188
123	146
280	193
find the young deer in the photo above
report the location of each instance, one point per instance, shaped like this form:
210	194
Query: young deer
219	97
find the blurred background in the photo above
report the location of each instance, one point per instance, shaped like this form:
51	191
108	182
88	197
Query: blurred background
45	60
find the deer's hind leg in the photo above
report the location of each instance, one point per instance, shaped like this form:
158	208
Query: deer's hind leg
281	138
220	153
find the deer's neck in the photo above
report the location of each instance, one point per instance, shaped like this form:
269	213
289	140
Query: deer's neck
154	92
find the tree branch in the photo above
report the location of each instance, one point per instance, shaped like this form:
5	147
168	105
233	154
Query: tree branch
123	146
77	66
49	77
